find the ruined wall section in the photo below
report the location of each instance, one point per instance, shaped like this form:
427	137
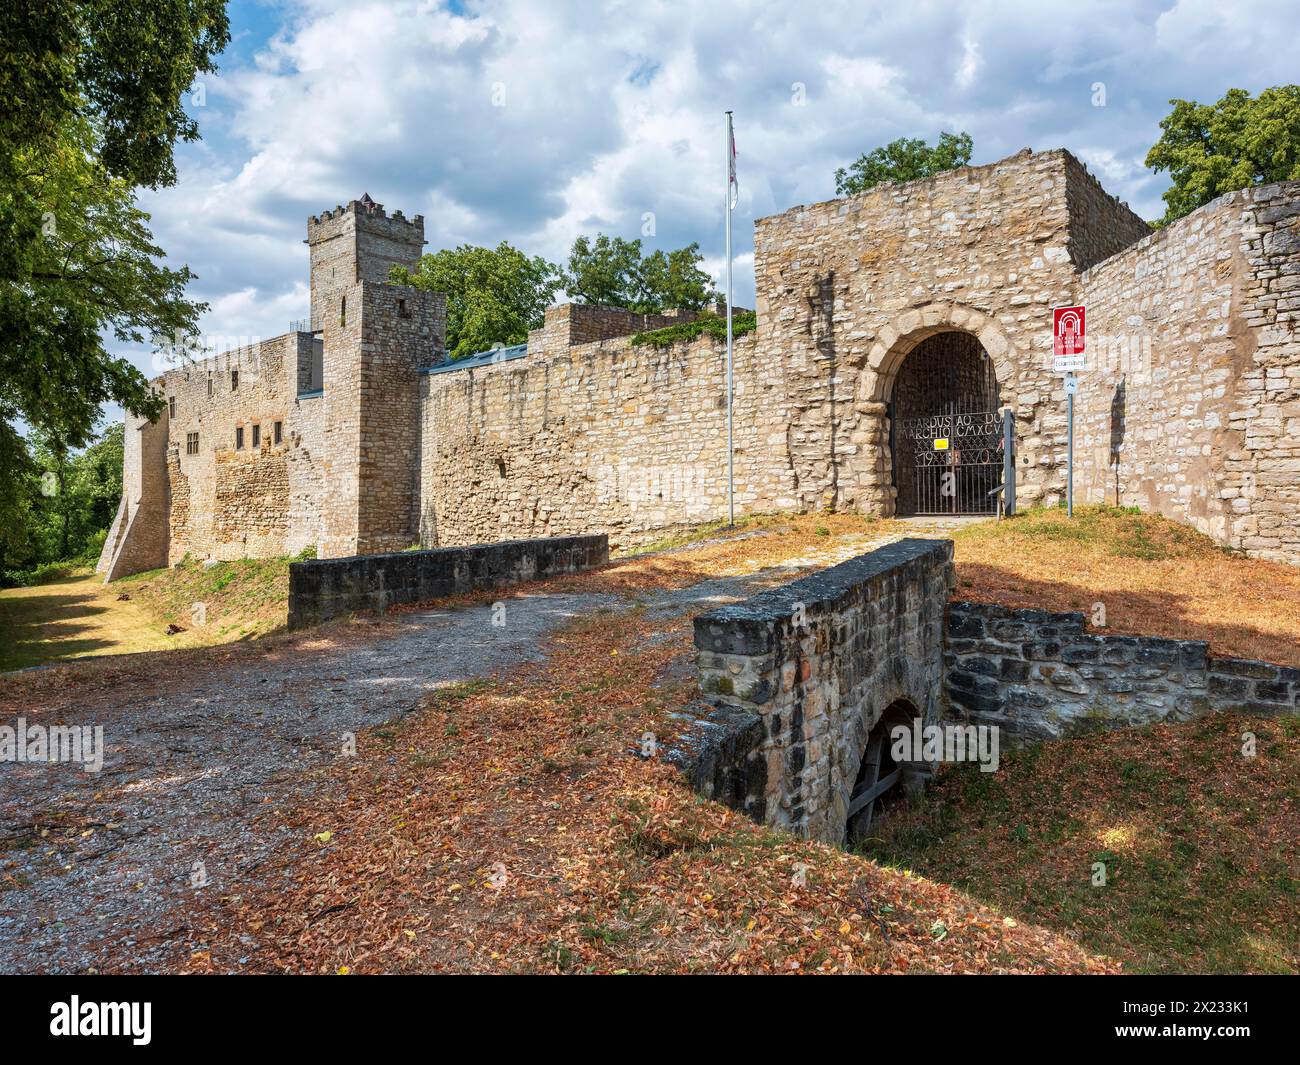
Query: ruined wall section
1100	225
1191	403
847	288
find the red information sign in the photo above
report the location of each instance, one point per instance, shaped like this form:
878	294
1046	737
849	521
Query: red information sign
1067	331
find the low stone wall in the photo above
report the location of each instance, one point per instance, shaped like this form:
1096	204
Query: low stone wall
799	675
1038	675
324	588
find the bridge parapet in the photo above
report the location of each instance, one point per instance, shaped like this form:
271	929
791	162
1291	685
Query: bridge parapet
801	675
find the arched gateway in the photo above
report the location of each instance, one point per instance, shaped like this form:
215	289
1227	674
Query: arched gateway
934	375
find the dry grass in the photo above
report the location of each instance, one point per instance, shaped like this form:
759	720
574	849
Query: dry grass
1153	576
507	827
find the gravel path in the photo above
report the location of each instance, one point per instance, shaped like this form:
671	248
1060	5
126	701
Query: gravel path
91	864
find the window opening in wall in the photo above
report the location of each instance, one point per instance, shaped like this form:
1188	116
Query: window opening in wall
209	384
171	406
239	438
402	312
257	436
343	311
234	380
278	433
191	443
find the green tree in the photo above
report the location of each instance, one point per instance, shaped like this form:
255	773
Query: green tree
611	272
18	495
603	272
674	279
92	94
1229	145
906	159
494	295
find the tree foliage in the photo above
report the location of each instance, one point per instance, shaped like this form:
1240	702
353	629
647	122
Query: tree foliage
494	295
1237	142
906	159
92	94
64	503
612	272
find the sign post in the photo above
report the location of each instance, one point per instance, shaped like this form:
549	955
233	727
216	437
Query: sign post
1067	357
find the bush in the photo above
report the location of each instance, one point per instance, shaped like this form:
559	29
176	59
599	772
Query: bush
715	325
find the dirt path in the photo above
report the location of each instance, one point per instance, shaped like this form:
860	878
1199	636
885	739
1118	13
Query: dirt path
98	870
91	859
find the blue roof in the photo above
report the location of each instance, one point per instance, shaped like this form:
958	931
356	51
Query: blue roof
481	358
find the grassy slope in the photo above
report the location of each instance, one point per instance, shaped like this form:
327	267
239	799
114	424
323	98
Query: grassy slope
1201	855
1152	575
71	617
76	616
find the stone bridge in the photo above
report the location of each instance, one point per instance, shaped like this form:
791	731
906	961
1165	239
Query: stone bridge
806	681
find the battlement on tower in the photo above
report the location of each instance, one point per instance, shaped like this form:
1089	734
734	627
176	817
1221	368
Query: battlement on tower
368	216
358	242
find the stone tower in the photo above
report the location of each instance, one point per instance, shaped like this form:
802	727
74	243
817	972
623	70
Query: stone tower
358	242
377	337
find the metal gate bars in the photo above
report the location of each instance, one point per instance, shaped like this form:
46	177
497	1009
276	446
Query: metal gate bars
950	463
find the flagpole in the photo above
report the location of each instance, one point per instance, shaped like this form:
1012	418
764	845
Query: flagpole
731	453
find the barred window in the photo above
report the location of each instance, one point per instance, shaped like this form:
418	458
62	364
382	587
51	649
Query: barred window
239	438
257	436
278	432
234	380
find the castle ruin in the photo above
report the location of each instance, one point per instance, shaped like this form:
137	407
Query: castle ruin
887	323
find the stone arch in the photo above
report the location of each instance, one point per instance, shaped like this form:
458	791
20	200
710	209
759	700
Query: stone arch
897	340
876	764
894	342
905	690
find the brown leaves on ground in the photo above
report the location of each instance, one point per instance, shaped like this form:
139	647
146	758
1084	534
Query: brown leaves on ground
510	826
1193	826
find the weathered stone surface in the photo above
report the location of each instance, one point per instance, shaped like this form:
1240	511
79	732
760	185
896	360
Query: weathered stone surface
1190	405
1055	687
320	589
817	663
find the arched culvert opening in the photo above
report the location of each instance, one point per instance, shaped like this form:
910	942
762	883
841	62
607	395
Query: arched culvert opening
880	780
945	429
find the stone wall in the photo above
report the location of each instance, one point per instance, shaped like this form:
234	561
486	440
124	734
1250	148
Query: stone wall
1191	403
227	501
627	440
631	440
1039	675
324	588
848	288
137	539
802	673
1191	408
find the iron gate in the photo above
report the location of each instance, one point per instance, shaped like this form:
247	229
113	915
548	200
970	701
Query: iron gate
950	463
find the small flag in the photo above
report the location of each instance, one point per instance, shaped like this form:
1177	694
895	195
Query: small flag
732	185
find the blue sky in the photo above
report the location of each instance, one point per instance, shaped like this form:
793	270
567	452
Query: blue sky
535	122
